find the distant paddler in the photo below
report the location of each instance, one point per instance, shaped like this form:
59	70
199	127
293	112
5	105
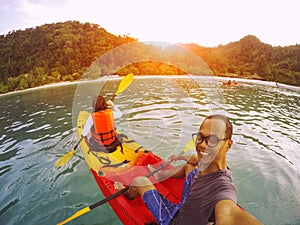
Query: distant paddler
231	83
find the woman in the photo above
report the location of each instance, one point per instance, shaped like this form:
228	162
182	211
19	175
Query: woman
100	125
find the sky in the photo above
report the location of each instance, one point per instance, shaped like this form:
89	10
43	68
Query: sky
205	22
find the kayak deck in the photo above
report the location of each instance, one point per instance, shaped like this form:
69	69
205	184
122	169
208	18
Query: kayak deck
123	165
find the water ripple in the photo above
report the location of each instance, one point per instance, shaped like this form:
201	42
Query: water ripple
44	127
161	114
8	206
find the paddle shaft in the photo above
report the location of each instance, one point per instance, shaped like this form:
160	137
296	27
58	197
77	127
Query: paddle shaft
113	97
78	142
103	201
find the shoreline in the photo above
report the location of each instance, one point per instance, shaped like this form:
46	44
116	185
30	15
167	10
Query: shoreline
218	78
63	83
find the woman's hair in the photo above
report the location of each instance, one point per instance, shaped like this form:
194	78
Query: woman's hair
99	103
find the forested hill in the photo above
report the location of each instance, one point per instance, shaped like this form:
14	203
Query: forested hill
52	53
249	57
63	52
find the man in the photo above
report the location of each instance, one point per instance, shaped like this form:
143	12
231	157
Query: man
209	195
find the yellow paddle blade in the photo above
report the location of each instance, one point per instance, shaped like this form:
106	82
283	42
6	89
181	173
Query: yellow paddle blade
75	215
189	146
64	159
125	83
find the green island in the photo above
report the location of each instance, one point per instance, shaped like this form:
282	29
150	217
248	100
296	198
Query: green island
64	51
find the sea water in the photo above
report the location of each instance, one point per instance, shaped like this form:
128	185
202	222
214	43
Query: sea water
39	126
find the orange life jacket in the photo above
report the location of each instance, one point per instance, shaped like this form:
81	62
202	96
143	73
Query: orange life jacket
103	130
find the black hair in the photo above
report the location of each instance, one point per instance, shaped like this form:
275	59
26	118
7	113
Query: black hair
228	130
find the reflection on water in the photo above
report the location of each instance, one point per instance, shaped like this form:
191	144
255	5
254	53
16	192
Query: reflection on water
160	113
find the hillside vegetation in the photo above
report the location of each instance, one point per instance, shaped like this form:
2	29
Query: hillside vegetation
52	53
64	51
250	56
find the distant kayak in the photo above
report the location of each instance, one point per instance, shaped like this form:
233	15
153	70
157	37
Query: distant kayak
230	83
123	165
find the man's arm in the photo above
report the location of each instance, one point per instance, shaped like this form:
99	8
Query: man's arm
180	171
227	213
174	172
190	159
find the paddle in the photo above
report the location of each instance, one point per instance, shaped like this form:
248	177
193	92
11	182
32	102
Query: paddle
189	146
66	158
127	80
123	85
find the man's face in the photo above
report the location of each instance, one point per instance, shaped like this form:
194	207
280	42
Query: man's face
212	148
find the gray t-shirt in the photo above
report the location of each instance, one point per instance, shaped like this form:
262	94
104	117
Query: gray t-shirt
206	192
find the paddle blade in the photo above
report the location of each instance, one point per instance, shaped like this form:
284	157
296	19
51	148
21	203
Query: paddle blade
124	83
189	146
64	159
75	215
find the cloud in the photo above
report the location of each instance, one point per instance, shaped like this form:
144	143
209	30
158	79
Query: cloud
21	14
10	15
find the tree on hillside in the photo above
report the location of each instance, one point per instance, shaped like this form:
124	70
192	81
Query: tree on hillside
65	51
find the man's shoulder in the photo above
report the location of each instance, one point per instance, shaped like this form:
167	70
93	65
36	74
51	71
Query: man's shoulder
191	172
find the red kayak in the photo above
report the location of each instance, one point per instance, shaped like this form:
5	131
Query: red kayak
124	164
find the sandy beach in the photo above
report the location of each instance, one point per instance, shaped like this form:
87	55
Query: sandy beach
218	79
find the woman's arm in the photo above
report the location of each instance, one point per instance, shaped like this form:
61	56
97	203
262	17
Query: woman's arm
116	111
87	126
